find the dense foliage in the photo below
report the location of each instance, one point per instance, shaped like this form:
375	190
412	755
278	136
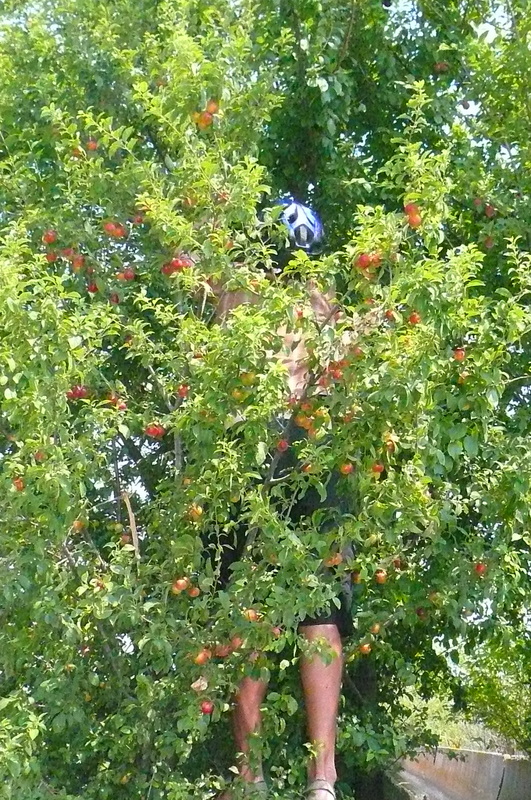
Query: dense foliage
142	144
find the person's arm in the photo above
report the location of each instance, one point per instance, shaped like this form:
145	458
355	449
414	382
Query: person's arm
228	299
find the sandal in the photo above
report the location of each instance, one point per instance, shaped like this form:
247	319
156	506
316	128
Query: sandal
320	790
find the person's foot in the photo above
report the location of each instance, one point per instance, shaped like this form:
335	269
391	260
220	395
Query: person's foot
320	789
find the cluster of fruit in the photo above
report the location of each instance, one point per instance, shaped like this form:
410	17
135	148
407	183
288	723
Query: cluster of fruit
204	119
176	264
412	212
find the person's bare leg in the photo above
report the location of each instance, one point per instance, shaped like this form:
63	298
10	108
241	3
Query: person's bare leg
246	719
321	683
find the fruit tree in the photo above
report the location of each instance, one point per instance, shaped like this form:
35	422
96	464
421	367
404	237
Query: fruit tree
142	146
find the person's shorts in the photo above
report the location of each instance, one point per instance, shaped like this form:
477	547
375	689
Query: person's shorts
337	501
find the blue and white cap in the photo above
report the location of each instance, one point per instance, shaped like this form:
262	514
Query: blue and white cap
304	225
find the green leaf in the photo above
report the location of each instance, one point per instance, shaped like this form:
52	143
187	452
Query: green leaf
471	445
492	397
455	449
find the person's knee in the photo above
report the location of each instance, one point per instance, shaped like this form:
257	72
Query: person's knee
251	692
329	633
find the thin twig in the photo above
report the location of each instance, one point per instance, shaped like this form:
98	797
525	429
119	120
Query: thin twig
132	524
104	643
92	544
346	41
117	483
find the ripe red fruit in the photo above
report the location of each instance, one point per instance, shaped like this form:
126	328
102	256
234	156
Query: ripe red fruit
114	298
365	648
129	274
183	390
378	468
336	374
180	585
67	252
282	445
250	614
39	456
489	242
110	228
346	469
120	231
363	261
51	257
415	220
207	707
178	264
154	430
478	201
205	120
459	353
49	236
390	315
356	577
380	576
236	642
212	106
376	259
490	211
480	568
78	262
411	208
414	318
276	631
203	656
421	613
194	591
137	219
18	483
441	66
92	145
375	628
78	392
92	287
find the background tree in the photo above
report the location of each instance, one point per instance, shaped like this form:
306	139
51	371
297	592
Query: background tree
141	146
